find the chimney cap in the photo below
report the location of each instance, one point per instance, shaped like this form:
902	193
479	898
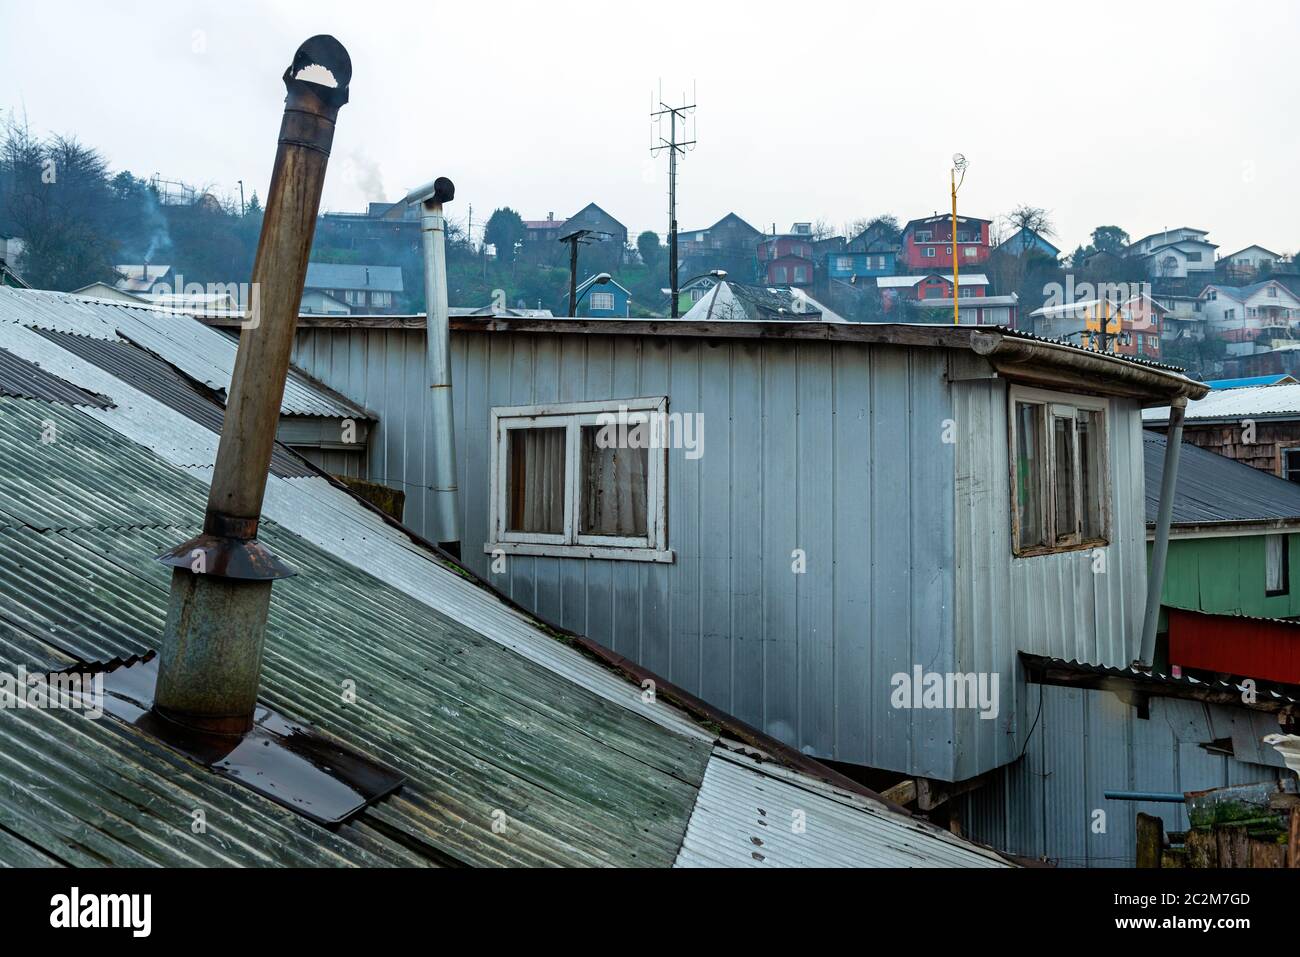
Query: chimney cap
440	190
324	51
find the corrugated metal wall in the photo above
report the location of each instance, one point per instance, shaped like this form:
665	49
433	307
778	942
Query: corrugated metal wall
806	446
383	370
1088	742
1054	605
834	449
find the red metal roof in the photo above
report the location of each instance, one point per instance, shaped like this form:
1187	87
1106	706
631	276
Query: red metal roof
1267	648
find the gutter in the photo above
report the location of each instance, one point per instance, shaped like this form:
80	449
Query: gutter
1230	529
1031	358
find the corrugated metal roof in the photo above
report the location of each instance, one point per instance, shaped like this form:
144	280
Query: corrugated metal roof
204	354
751	814
1233	404
22	379
1214	488
348	276
160	381
483	710
1173	685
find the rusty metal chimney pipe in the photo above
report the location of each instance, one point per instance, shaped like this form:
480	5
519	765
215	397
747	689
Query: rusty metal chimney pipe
210	665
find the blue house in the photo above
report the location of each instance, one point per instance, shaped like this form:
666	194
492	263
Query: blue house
1024	240
607	300
872	252
845	264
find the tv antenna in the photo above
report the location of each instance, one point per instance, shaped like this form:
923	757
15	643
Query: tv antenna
672	115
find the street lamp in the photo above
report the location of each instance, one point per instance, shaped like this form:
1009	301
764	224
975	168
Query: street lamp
601	279
958	166
576	238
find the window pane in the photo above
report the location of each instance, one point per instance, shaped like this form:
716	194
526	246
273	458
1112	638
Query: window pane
1275	563
1063	479
536	489
1091	461
1029	473
614	498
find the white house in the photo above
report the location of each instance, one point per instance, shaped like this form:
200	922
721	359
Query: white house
1175	253
1247	263
1240	314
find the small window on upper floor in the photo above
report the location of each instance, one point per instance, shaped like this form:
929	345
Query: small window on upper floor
1277	565
1059	477
581	480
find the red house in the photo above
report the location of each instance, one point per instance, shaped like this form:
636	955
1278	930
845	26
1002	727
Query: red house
928	243
786	260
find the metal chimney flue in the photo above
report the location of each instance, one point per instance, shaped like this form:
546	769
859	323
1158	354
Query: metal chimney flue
211	659
445	512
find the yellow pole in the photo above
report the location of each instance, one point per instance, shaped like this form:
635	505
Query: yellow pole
956	289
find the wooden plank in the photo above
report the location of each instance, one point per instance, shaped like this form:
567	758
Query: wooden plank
1202	849
1234	846
1293	840
1150	840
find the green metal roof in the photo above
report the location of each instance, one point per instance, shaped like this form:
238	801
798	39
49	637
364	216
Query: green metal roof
476	728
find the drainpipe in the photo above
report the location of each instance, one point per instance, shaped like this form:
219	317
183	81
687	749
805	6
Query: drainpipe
211	660
445	518
1168	483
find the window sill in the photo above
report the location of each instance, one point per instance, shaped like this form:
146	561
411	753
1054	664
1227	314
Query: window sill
609	552
1038	551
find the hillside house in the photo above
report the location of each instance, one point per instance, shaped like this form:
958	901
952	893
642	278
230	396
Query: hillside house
370	289
926	286
786	260
1245	265
1174	254
729	245
1025	241
546	230
1133	327
596	300
927	244
595	219
1251	317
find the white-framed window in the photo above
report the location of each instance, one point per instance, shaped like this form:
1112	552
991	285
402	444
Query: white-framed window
602	300
1060	477
581	480
844	263
929	252
924	235
969	252
381	298
1277	567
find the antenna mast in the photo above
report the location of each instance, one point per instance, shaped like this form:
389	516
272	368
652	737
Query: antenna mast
674	147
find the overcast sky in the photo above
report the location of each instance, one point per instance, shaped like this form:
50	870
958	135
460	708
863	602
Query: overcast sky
1143	114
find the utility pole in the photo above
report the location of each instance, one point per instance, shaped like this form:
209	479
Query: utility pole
674	147
958	166
469	228
241	199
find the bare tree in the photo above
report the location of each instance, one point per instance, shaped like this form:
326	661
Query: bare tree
1032	218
